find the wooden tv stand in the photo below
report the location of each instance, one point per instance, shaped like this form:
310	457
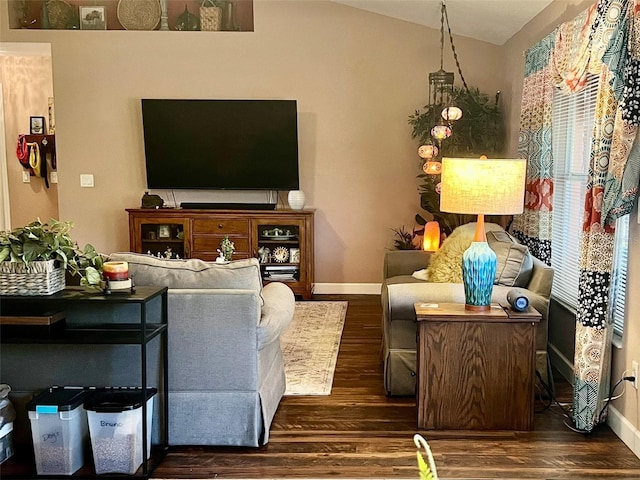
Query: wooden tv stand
197	233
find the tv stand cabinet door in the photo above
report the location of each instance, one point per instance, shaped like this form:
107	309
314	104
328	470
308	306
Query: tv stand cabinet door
156	233
283	243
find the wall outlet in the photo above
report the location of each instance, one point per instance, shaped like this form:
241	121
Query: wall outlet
53	177
634	372
26	178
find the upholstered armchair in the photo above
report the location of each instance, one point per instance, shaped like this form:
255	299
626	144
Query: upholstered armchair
411	276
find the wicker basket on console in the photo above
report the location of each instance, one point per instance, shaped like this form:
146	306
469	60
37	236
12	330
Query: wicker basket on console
36	278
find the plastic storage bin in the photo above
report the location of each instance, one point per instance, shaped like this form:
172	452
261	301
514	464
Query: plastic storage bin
115	428
59	430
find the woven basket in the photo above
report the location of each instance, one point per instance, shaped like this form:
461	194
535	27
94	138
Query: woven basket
210	18
37	278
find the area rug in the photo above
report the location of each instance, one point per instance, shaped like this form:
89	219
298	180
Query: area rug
310	347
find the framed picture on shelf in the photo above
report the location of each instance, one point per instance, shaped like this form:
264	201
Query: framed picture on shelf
295	255
93	18
36	125
164	231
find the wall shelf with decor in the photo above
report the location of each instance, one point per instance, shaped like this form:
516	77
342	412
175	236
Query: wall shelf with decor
282	240
140	15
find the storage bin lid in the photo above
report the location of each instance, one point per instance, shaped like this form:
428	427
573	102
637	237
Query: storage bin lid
117	400
58	399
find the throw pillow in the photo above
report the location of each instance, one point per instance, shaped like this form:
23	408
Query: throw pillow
515	264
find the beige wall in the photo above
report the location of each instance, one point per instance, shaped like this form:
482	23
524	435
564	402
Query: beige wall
356	75
27	82
545	22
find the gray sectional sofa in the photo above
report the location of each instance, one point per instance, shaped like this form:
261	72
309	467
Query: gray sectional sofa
226	370
403	286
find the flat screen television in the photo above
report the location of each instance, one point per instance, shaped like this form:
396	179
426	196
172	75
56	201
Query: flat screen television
221	144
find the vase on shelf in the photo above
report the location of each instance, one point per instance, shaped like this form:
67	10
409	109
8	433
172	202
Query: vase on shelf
296	199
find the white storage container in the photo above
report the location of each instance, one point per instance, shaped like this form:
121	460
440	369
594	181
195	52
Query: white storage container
59	430
115	427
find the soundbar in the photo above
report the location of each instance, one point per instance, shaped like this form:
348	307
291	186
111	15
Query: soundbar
228	206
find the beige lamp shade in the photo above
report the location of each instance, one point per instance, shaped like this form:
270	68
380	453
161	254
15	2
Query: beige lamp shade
483	186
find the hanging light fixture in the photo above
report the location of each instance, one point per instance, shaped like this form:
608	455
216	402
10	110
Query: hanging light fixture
440	99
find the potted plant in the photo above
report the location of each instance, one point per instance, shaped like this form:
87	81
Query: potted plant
480	131
34	258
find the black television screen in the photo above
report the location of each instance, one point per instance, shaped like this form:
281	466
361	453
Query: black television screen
221	144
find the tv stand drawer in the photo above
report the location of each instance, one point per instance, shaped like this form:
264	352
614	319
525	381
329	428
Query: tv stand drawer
211	243
221	226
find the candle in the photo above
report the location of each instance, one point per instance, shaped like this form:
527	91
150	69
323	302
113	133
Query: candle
115	270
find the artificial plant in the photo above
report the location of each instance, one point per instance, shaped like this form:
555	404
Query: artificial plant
479	132
39	241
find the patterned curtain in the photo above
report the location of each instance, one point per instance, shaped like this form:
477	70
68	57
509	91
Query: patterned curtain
601	41
533	227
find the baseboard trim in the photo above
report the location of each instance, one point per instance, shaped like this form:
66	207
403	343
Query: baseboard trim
625	430
562	363
347	288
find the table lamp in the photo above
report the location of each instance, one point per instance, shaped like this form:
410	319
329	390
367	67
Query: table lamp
484	187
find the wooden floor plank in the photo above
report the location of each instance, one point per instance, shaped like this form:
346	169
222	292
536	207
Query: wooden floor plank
359	432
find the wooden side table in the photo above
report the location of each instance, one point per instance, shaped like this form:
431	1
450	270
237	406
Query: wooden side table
476	370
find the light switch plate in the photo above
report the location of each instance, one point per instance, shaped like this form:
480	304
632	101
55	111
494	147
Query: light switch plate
26	178
86	180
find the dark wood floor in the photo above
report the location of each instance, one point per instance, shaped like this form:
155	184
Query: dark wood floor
358	432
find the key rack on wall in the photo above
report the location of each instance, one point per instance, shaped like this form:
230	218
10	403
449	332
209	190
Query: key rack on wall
41	146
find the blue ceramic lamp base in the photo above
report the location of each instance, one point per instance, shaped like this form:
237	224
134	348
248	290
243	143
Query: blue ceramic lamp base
479	263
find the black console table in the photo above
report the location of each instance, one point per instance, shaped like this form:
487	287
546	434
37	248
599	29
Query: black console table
87	329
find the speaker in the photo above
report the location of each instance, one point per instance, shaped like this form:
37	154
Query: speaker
518	300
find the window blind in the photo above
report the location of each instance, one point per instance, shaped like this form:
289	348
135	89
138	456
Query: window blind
619	279
573	117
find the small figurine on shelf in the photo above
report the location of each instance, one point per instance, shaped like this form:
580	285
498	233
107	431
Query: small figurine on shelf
227	248
263	253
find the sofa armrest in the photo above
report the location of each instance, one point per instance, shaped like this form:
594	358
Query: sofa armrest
209	329
404	262
277	312
541	279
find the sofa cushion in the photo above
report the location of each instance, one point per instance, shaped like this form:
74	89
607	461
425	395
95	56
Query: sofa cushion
515	263
192	273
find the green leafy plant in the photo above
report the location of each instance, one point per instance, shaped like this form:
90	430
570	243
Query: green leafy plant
227	248
479	132
403	240
39	241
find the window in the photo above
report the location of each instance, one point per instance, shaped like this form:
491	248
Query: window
573	117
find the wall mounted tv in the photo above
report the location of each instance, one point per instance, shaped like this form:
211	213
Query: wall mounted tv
221	144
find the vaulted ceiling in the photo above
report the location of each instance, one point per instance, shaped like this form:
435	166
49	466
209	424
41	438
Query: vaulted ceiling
493	21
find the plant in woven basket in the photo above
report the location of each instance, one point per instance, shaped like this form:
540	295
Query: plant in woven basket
49	242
